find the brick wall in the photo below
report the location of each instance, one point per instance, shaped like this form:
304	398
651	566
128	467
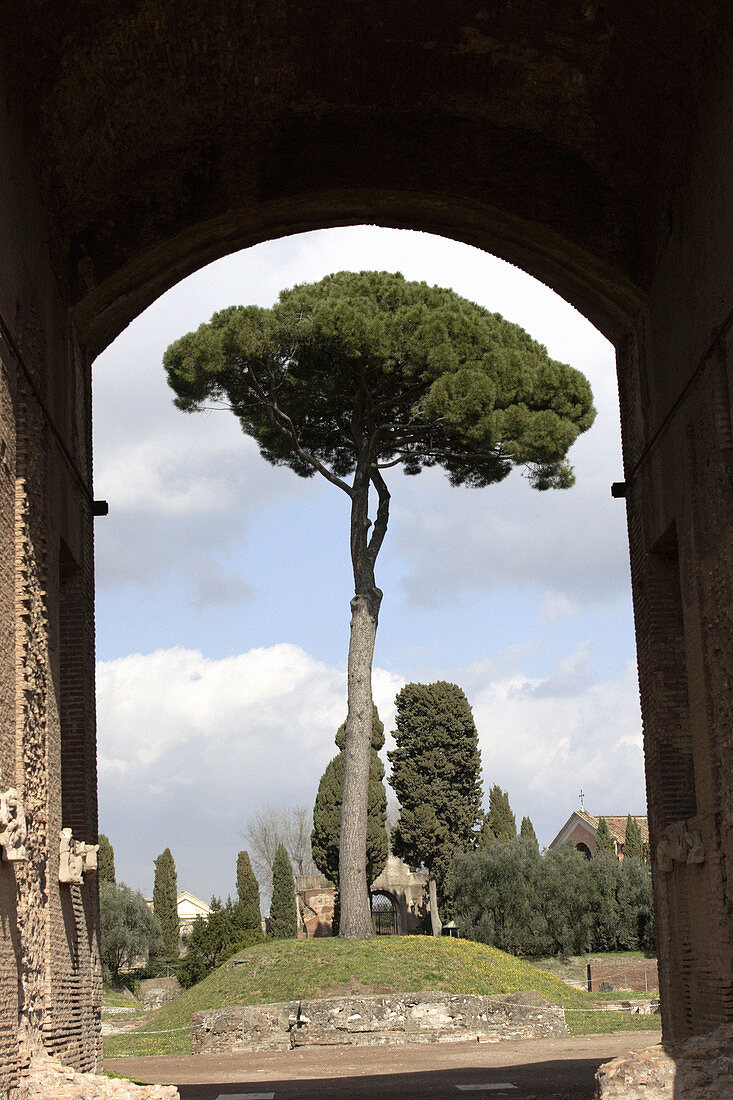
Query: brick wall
8	915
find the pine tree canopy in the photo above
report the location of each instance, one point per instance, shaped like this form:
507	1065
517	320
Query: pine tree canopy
446	381
283	910
436	775
604	840
248	893
327	810
105	860
165	902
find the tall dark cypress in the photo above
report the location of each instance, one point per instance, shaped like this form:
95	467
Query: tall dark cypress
165	901
248	892
526	832
604	840
436	775
283	911
327	810
105	860
633	846
500	821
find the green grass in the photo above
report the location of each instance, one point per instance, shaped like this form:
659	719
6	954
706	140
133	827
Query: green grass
112	998
287	970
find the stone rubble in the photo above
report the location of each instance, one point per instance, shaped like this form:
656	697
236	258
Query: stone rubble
699	1069
48	1079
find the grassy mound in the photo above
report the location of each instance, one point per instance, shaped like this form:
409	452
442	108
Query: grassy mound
284	970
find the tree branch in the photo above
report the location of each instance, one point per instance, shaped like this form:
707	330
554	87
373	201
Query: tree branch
280	420
380	523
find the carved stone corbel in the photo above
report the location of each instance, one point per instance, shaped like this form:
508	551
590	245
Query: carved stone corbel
76	858
13	829
70	864
680	843
89	856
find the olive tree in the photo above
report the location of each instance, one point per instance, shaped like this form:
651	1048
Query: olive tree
358	373
130	929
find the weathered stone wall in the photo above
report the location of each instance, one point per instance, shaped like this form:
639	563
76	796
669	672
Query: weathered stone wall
699	1069
156	992
371	1021
406	889
50	977
49	1079
8	912
676	381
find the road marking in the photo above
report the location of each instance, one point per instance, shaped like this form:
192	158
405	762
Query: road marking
494	1086
246	1096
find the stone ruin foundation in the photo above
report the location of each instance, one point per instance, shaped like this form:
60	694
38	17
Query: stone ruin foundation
427	1017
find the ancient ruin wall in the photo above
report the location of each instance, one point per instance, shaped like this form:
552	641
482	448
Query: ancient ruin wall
50	977
8	916
676	380
425	1017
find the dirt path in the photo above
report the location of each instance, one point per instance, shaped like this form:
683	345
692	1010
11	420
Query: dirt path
547	1069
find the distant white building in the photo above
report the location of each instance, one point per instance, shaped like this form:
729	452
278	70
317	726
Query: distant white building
189	908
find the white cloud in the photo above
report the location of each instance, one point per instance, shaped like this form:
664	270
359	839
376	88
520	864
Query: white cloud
543	740
572	544
556	607
176	482
191	747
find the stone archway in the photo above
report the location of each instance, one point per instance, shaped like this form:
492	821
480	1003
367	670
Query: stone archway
590	145
384	915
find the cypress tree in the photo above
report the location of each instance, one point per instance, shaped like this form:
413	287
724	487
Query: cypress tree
633	847
527	832
327	810
165	901
248	892
105	860
283	911
500	821
436	775
604	840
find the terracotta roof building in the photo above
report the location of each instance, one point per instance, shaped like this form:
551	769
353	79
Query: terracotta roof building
580	830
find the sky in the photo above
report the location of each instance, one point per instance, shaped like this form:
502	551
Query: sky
223	587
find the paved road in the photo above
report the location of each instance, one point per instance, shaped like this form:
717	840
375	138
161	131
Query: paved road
548	1069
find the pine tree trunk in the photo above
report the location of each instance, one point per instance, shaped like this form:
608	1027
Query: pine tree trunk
356	917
